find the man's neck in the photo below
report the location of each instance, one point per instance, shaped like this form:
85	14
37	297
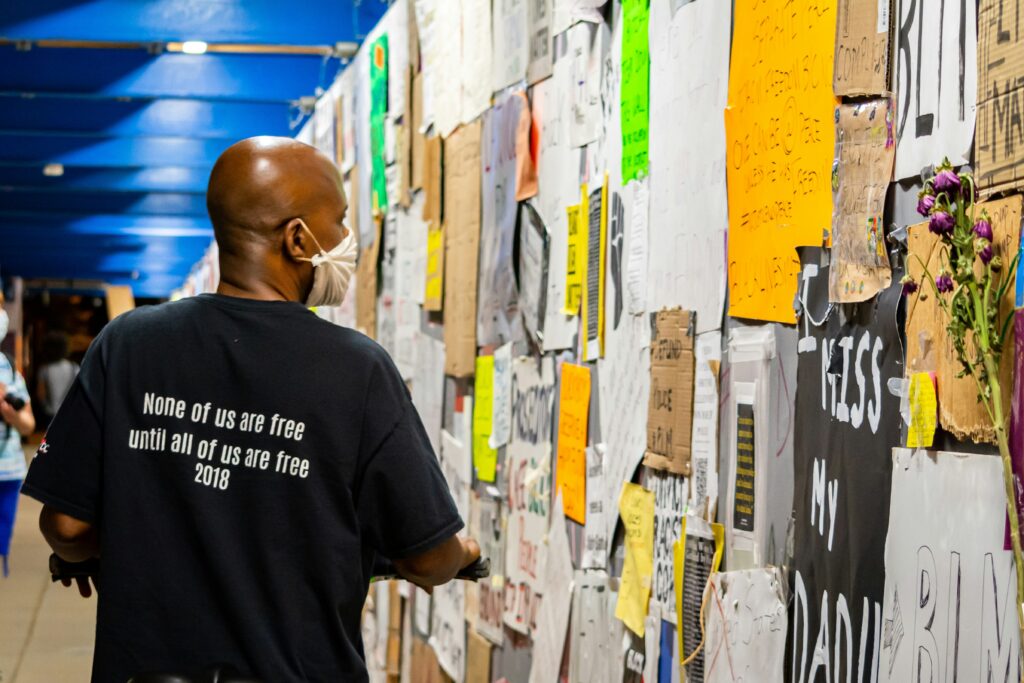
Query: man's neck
260	291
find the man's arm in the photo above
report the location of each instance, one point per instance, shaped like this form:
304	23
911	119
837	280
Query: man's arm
440	564
72	539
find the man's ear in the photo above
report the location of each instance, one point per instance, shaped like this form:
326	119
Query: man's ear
297	242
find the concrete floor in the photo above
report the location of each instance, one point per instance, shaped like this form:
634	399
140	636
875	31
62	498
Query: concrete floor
46	630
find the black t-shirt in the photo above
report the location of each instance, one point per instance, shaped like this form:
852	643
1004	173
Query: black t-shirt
244	461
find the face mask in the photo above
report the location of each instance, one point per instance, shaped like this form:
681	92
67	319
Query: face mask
4	323
332	271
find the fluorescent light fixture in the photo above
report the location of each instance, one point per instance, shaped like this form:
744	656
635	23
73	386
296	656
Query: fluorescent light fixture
53	170
193	47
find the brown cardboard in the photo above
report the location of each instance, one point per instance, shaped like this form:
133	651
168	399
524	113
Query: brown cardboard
403	146
120	299
929	348
999	131
478	659
433	178
865	154
419	140
394	651
462	179
862	51
670	408
366	286
339	131
425	668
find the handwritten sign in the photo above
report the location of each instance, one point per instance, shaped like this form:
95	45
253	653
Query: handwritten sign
492	590
670	407
573	410
378	113
779	137
862	48
998	148
636	507
485	458
671	493
636	69
574	264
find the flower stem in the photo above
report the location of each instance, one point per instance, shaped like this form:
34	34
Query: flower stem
1009	480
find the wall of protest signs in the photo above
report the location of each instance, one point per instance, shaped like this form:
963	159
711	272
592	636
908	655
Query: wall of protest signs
699	212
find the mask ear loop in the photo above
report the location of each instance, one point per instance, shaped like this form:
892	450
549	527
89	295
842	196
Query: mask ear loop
313	237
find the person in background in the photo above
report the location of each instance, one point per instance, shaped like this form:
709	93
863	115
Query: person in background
18	421
237	464
55	375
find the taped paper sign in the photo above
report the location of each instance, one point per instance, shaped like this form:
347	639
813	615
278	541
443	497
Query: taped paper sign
746	627
698	554
999	137
573	411
595	644
950	588
448	628
534	254
636	68
595	532
862	48
780	142
461	246
539	16
704	441
528	459
670	506
575	264
865	150
636	507
670	408
593	293
588	44
936	83
553	616
485	458
434	286
929	347
501	412
511	47
492	590
688	202
923	410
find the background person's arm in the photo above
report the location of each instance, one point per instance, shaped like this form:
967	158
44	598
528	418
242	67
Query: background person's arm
441	563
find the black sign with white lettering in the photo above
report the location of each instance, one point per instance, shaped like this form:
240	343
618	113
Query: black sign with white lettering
847	423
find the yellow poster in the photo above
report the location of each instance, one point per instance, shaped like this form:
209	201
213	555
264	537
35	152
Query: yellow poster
485	458
636	507
779	141
924	414
576	258
435	269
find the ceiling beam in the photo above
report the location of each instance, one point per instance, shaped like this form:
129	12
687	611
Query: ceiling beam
138	74
314	22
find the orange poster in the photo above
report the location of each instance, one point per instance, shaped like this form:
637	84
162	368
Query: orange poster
573	409
779	141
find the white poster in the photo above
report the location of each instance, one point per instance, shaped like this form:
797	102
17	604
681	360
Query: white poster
448	628
457	467
492	545
511	44
746	627
558	168
599	508
950	588
410	273
528	468
553	614
936	83
498	320
323	123
430	57
588	46
688	203
347	91
476	57
428	387
538	16
501	402
445	70
670	506
396	23
596	636
704	437
534	248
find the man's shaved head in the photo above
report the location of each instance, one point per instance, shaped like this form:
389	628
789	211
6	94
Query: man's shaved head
259	190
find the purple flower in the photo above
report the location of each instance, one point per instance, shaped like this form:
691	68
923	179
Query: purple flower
985	254
925	204
909	286
947	181
941	223
944	283
983	229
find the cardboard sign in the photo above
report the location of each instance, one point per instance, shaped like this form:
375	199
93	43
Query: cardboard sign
862	47
461	248
929	347
865	152
432	179
366	286
670	407
998	144
120	299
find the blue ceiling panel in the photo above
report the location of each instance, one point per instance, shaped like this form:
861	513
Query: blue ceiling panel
124	203
102	179
84	150
314	22
120	118
116	224
138	74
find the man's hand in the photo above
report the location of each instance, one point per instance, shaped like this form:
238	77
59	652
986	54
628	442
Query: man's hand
439	565
84	588
7	411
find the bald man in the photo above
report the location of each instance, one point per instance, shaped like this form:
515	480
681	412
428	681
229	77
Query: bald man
236	462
